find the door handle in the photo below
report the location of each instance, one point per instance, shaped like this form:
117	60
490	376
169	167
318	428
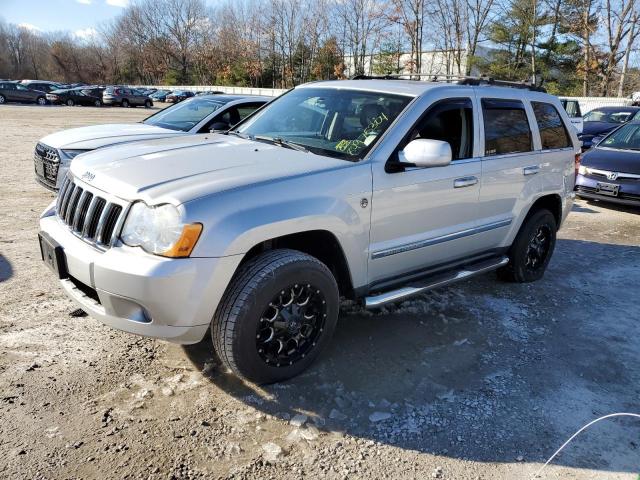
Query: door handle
465	182
531	170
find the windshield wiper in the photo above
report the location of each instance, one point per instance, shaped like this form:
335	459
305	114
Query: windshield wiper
281	142
237	134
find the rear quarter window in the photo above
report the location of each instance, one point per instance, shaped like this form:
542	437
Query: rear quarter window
506	127
553	132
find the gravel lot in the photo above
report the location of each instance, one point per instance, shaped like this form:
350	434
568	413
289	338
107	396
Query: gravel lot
483	380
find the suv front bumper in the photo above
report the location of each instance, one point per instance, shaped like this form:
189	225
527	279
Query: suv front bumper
127	289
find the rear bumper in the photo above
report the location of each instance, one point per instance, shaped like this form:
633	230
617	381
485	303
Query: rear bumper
127	289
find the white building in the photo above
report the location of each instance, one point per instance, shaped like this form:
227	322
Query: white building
434	62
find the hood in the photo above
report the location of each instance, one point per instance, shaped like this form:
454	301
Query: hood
189	167
627	161
98	136
596	128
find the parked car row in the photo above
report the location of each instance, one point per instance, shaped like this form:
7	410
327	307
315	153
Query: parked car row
45	92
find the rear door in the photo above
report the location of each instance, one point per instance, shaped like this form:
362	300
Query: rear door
511	162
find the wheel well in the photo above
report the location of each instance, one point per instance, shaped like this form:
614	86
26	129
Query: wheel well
553	203
320	244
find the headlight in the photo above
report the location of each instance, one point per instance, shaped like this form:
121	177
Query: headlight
71	154
582	170
159	230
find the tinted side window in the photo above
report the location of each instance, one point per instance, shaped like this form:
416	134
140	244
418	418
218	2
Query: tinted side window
506	128
450	121
553	133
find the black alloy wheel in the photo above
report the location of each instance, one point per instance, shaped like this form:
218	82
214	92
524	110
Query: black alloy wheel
291	324
532	248
279	311
538	248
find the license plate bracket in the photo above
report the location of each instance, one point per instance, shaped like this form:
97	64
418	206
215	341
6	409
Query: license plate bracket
607	189
53	255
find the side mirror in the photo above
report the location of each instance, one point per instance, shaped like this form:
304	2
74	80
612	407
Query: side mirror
219	126
425	153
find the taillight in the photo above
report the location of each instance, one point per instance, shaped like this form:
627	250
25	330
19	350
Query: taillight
578	159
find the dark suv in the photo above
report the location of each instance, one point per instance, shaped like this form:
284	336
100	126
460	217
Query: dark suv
16	92
125	97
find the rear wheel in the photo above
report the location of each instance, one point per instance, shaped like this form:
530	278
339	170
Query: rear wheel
125	103
531	251
278	313
70	103
41	101
147	104
2	99
97	103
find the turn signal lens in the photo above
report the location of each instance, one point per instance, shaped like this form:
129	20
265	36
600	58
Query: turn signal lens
187	241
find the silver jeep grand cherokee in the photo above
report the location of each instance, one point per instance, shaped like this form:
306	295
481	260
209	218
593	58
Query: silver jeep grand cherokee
371	189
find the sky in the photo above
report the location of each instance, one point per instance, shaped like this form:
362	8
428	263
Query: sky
80	17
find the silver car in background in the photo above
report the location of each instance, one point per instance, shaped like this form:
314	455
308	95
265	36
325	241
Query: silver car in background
54	153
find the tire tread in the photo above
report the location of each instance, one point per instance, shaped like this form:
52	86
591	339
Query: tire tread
235	298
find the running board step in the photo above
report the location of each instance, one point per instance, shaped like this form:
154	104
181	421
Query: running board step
434	282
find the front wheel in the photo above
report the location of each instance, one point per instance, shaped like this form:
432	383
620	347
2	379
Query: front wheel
2	99
277	314
70	103
97	103
41	101
532	248
125	103
148	104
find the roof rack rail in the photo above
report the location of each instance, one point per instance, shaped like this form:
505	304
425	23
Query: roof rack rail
458	79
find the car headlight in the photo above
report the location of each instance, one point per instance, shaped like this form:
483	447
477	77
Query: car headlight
159	229
71	154
582	170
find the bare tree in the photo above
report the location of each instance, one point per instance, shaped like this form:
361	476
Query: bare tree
363	20
410	14
620	18
633	35
479	14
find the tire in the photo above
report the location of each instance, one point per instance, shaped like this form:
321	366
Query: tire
97	103
532	248
41	101
125	103
148	104
245	331
70	103
3	100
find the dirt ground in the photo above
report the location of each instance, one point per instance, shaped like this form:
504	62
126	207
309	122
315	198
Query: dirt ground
482	380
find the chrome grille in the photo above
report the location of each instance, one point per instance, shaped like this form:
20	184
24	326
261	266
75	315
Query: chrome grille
89	215
46	164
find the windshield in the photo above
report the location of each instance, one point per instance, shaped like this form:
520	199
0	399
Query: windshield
624	138
184	115
328	121
610	116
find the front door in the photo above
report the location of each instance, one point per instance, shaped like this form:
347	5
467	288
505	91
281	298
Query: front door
426	217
